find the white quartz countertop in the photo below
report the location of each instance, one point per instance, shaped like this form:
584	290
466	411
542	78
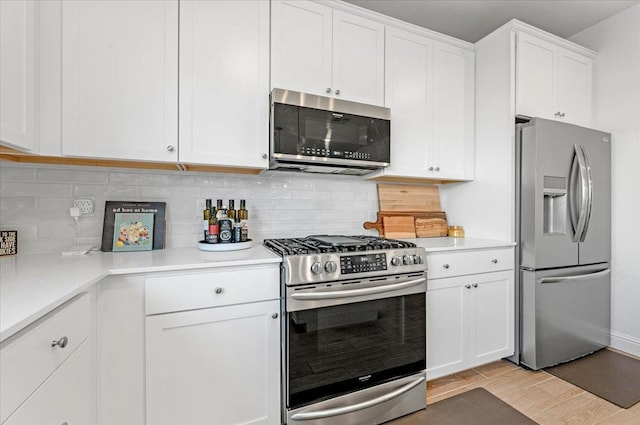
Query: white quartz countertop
432	245
31	285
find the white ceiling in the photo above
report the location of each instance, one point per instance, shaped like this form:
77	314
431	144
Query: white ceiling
472	20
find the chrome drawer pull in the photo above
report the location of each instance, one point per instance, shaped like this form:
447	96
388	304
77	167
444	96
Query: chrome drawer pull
218	290
494	261
62	342
446	266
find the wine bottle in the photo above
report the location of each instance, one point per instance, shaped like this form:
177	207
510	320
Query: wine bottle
213	227
219	208
231	212
243	215
205	219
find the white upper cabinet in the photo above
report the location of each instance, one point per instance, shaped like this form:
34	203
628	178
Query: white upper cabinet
552	82
120	79
326	52
224	83
429	87
17	73
408	93
452	153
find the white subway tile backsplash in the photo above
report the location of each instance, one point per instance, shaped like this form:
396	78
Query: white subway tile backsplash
35	199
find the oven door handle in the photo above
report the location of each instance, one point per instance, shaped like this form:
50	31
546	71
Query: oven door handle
357	292
320	414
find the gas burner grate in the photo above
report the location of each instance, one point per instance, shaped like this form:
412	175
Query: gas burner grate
308	245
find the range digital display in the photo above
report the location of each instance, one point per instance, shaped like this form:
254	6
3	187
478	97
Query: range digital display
363	263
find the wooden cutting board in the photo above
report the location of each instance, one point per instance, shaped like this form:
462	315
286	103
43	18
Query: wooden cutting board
409	224
400	197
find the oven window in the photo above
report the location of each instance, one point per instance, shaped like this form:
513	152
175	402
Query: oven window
339	349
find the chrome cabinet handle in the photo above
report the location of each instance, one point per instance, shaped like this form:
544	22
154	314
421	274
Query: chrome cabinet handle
328	90
446	266
430	168
171	148
264	156
274	316
475	285
62	342
437	168
218	290
494	261
338	91
467	286
562	115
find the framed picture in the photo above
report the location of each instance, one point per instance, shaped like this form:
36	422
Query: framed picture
133	232
157	229
8	242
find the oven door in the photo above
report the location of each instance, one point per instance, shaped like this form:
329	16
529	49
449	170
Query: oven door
345	337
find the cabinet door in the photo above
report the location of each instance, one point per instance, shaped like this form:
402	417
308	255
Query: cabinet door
453	113
224	83
408	86
446	327
301	46
574	87
214	366
17	73
491	317
536	77
120	79
358	59
65	397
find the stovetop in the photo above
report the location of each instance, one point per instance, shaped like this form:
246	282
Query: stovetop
318	244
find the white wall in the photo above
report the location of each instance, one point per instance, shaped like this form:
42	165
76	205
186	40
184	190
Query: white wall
616	93
35	200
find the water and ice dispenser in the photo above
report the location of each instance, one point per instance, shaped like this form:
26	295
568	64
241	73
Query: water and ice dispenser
555	205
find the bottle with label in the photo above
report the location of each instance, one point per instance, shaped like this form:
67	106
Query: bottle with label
205	219
213	226
225	226
219	208
231	212
243	215
237	230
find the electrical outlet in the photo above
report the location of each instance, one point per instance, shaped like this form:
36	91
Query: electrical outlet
200	205
85	206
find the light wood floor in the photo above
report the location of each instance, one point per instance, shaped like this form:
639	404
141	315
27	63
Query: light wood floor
542	397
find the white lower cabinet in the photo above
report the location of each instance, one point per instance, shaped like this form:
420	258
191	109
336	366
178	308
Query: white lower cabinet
216	365
470	318
64	398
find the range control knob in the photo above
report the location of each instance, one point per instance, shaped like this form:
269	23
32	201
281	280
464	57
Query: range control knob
396	261
417	259
330	266
408	259
316	268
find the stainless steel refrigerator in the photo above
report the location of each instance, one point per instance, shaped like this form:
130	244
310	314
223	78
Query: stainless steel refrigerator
563	219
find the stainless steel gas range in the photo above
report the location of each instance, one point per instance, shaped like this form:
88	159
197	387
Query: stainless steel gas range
354	329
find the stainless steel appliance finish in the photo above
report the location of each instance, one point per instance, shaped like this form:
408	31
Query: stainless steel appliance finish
354	329
563	228
317	134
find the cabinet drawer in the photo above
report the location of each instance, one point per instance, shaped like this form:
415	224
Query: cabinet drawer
166	294
447	264
27	360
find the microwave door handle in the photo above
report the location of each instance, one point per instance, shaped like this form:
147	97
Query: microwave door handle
308	416
356	292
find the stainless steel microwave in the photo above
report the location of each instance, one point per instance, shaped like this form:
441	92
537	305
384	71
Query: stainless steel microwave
319	134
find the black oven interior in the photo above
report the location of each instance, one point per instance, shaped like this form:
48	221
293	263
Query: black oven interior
340	349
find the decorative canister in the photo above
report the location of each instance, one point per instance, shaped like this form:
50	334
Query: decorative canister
456	232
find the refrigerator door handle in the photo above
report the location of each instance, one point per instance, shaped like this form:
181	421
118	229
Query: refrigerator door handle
557	279
589	190
580	221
